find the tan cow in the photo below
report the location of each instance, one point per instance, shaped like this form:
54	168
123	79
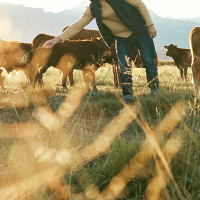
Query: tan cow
194	40
14	55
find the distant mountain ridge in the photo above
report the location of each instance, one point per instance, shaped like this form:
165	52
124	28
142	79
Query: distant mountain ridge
23	24
194	19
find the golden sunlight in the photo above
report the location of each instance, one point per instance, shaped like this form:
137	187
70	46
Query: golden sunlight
5	27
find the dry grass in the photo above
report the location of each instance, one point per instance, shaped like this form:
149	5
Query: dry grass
48	133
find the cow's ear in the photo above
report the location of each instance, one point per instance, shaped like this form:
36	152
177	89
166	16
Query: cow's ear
165	47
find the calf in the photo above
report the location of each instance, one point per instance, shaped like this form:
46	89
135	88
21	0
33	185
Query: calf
182	58
110	58
82	54
194	40
38	42
137	60
40	39
14	56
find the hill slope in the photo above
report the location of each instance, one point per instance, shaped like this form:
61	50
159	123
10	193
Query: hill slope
24	23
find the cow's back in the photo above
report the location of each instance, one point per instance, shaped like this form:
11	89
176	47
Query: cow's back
40	39
85	51
184	58
194	40
84	34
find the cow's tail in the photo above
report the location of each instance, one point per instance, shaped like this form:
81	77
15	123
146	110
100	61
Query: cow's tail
27	57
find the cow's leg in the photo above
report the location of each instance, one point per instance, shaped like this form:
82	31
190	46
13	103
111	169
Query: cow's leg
27	74
197	88
64	81
196	78
181	72
64	78
71	79
38	78
88	72
39	75
185	73
65	65
1	78
37	62
115	78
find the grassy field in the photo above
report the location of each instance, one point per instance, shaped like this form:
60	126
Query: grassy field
65	144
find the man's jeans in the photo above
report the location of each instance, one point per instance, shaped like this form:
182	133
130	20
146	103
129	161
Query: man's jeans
125	48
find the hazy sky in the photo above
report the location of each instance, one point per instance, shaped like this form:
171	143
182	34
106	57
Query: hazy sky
163	8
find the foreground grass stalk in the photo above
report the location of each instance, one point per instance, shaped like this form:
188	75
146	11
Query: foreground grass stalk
149	149
159	182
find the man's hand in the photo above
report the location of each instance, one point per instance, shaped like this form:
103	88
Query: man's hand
152	31
52	42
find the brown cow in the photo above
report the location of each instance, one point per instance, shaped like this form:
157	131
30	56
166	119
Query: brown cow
194	40
138	60
40	39
111	57
14	55
81	54
182	58
38	42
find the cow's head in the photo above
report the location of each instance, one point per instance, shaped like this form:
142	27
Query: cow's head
171	50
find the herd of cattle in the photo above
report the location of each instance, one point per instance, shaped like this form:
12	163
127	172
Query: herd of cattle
86	51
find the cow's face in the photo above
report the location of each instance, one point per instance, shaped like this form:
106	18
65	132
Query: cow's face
171	50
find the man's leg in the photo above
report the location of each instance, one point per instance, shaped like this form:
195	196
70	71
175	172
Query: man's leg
124	50
146	46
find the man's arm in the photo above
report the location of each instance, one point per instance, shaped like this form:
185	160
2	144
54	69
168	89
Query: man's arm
145	13
75	28
143	10
72	30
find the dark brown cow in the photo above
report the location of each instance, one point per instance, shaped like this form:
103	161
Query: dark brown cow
194	40
82	54
14	56
182	58
111	58
40	39
138	60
